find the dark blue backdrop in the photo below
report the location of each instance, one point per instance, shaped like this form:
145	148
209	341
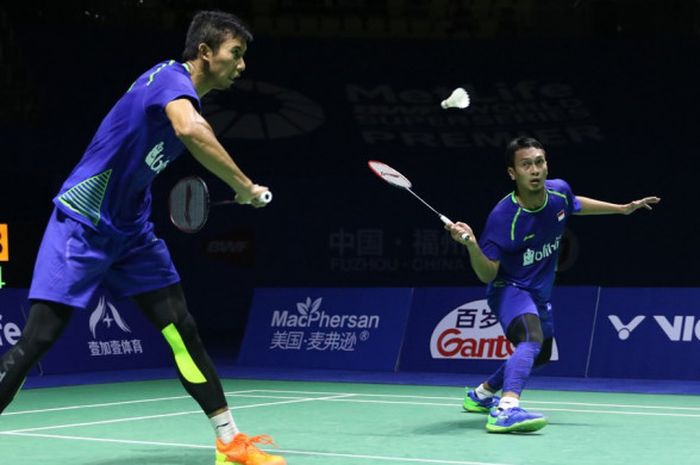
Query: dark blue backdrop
617	117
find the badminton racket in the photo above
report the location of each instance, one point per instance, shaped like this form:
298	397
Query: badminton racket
189	203
396	179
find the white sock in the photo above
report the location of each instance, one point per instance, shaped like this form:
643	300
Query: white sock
483	393
508	402
224	426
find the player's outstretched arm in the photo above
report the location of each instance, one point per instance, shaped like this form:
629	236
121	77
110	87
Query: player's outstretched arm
598	207
199	138
485	268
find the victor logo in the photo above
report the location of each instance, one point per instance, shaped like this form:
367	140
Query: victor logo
681	328
624	330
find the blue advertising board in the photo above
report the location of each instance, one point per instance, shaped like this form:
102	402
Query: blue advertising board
454	330
574	319
647	333
107	335
13	310
357	329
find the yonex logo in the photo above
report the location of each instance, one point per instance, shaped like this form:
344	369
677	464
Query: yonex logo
260	110
102	313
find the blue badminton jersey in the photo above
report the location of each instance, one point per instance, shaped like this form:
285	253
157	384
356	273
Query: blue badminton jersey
527	242
110	188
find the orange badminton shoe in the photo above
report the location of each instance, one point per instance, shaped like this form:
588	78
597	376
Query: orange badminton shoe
242	451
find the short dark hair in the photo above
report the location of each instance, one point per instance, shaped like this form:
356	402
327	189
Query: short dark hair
213	28
520	143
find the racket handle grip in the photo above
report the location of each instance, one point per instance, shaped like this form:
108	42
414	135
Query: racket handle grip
265	197
445	219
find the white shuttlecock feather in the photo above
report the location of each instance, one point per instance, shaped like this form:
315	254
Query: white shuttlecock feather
459	98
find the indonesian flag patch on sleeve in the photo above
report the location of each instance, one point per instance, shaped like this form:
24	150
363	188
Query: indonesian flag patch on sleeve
561	215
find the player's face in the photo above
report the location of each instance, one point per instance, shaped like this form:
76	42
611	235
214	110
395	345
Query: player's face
530	170
227	63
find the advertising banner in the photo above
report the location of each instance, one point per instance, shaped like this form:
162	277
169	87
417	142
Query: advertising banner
13	308
647	333
107	335
357	329
454	330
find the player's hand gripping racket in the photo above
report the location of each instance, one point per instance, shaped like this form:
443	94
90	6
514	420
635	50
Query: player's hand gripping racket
393	177
189	203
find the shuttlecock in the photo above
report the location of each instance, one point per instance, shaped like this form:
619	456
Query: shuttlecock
459	98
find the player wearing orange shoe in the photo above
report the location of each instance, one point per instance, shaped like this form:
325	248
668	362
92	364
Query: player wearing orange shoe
100	232
242	450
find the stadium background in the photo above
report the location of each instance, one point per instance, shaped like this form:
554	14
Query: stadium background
610	87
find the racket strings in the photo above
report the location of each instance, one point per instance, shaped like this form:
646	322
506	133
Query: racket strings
189	204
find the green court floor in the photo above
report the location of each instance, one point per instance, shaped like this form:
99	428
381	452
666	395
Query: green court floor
155	422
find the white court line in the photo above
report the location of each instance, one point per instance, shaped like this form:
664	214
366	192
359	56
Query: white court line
459	399
281	451
337	396
101	422
622	412
545	409
162	415
113	404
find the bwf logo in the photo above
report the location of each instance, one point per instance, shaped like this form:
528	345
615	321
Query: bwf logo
681	328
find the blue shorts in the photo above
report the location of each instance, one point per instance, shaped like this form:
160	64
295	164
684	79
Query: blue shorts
509	302
74	260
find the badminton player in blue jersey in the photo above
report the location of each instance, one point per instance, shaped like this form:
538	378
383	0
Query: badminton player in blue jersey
517	257
100	234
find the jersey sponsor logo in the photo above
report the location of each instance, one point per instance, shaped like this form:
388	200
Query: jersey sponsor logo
472	332
155	159
678	328
533	256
